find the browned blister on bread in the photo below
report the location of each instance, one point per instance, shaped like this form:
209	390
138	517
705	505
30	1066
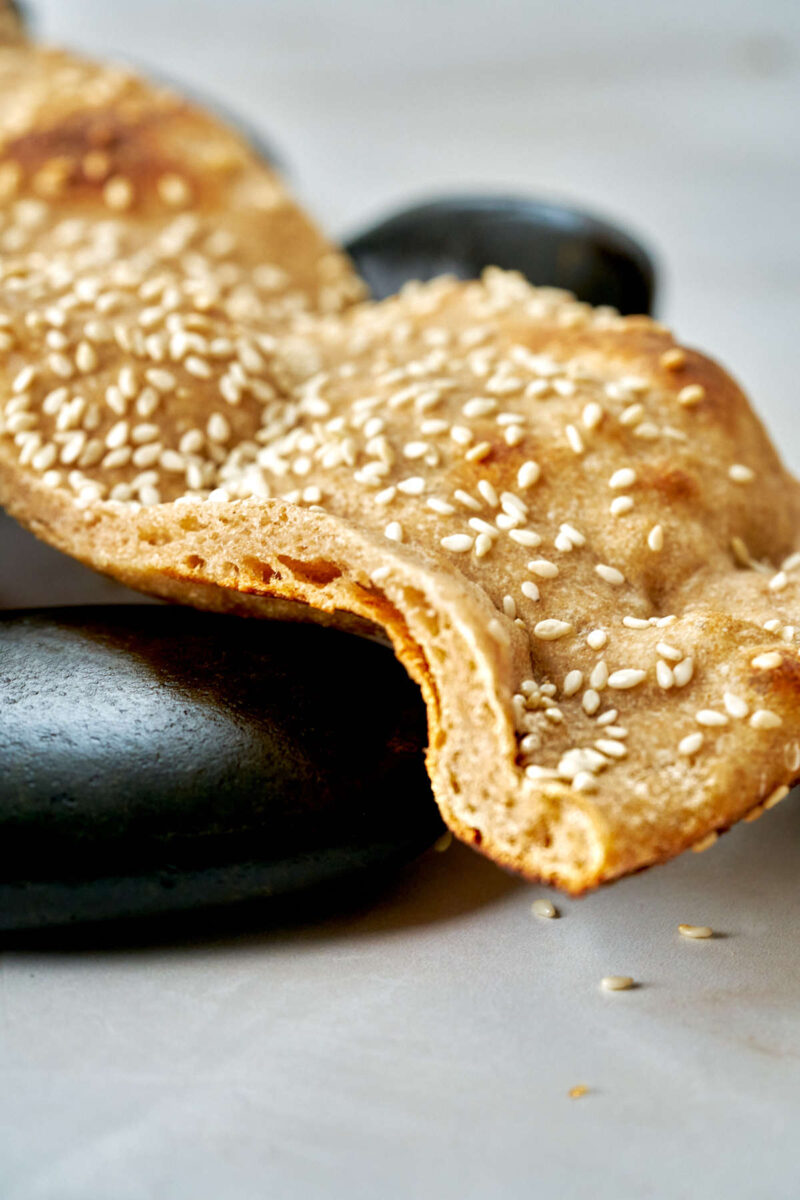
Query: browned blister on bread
575	533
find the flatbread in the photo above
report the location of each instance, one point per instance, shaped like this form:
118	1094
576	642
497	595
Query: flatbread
575	533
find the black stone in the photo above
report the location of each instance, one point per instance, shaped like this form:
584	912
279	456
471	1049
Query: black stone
157	759
551	244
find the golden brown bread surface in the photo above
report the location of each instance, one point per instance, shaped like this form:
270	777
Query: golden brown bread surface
571	529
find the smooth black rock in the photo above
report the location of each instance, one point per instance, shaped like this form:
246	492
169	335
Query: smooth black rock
156	759
551	244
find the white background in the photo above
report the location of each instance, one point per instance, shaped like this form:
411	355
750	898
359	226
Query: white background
425	1046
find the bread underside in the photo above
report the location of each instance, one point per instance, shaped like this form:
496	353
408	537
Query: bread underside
574	532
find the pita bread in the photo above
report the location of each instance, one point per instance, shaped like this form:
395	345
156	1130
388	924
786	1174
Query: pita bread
575	533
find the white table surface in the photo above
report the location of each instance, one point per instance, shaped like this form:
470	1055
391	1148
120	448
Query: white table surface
424	1047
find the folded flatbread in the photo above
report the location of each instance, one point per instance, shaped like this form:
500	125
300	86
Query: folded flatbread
575	533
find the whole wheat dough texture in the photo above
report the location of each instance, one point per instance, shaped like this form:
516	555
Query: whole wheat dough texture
575	533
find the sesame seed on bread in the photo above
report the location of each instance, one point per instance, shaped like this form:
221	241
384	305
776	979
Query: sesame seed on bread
575	533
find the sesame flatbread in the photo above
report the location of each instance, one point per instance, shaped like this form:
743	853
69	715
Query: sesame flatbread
575	533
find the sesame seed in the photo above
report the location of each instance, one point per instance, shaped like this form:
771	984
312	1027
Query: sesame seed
488	492
620	505
543	568
85	357
458	543
479	407
163	381
551	628
116	458
513	435
776	796
655	538
635	623
611	747
513	505
60	365
544	908
197	366
413	486
483	545
647	430
590	701
695	931
592	415
118	193
53	400
528	474
461	435
610	574
631	414
599	676
683	671
468	501
690	744
739	473
766	662
705	843
147	456
23	379
173	190
148	494
692	394
117	435
530	590
394	531
664	676
574	535
172	461
574	438
481	526
710	718
623	478
629	677
616	731
584	781
597	639
440	506
778	581
525	537
192	442
509	607
43	459
734	705
616	983
773	625
573	682
608	717
19	422
673	359
668	651
415	449
479	453
762	718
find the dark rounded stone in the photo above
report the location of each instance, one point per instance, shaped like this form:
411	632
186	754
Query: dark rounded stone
551	244
156	759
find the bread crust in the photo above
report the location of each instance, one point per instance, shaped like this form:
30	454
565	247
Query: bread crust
193	402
